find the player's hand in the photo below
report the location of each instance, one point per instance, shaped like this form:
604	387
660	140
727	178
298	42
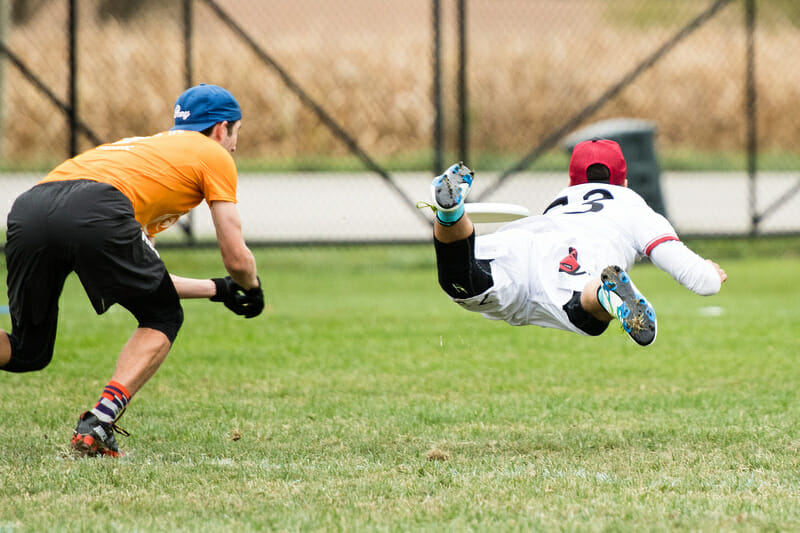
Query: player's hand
723	276
244	302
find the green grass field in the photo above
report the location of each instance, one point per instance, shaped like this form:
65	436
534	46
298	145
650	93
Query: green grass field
363	399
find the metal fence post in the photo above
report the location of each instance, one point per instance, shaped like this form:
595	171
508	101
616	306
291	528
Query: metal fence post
750	99
188	67
5	10
463	130
188	80
72	112
438	112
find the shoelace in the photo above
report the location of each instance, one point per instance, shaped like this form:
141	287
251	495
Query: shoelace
116	429
119	430
423	205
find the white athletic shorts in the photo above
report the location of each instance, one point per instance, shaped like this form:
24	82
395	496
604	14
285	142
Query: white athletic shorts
534	275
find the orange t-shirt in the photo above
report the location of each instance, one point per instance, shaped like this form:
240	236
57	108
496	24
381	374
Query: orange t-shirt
164	175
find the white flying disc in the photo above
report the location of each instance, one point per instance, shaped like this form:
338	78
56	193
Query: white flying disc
480	212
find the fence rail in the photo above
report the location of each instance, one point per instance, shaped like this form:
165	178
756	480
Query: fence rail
380	81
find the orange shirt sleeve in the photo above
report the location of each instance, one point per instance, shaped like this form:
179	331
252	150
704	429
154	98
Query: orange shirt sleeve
219	176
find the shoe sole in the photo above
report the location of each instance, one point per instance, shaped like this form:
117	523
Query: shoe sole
637	316
87	446
447	193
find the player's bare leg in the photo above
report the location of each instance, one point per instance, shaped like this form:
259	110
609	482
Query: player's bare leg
5	348
460	230
591	304
141	356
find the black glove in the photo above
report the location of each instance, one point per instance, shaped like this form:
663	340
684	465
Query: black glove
244	302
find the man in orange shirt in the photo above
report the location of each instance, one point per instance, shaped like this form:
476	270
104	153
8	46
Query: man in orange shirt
96	214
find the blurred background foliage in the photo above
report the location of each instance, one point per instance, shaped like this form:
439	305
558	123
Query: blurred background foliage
369	65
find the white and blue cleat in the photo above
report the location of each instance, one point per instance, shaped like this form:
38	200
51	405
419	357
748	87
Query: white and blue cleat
451	188
620	297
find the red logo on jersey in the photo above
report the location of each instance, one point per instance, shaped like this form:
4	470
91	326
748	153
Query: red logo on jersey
569	265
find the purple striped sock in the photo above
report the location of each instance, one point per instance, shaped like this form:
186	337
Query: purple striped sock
112	402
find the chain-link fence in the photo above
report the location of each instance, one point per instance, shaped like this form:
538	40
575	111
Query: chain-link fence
351	106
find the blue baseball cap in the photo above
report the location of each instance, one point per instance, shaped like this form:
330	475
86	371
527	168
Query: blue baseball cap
202	106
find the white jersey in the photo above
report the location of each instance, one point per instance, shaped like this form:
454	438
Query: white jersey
538	262
609	222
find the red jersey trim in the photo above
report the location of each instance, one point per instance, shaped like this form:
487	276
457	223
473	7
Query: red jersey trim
655	242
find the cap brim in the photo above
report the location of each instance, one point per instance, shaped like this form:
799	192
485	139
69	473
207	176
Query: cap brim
193	127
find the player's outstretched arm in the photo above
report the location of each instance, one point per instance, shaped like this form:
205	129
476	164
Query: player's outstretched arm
702	276
193	288
245	302
236	256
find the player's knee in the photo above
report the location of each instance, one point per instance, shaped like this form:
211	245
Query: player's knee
160	310
461	275
168	323
466	281
31	354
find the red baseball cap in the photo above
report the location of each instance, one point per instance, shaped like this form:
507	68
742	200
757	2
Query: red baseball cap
603	151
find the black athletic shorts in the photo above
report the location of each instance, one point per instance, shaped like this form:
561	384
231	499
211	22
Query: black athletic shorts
81	226
89	228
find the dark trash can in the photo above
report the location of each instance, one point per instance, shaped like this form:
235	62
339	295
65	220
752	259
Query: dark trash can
636	139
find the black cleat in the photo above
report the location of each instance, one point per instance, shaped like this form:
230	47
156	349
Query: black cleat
93	437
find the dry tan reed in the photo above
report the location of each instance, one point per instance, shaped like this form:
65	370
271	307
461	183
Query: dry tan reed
372	72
